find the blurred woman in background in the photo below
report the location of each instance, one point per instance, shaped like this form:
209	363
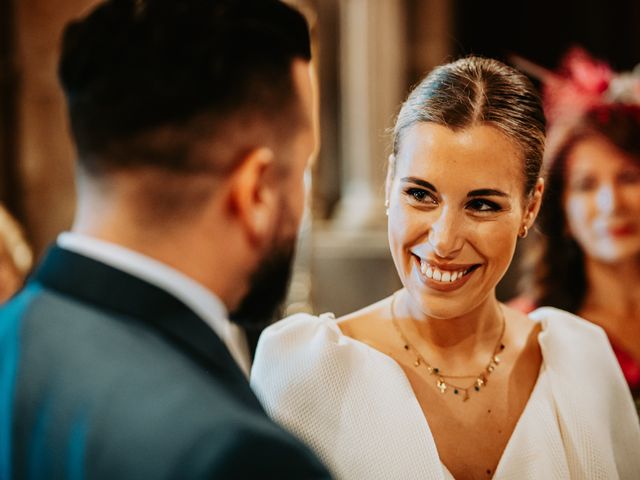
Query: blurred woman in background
587	260
16	257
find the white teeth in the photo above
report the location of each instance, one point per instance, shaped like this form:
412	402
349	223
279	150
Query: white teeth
445	276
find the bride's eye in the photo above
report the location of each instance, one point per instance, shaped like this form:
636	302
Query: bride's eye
420	195
483	205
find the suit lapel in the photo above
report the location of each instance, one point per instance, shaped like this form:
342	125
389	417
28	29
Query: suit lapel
108	288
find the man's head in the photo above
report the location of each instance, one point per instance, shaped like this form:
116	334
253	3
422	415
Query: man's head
193	120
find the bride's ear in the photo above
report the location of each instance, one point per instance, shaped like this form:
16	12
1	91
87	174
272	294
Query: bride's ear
534	204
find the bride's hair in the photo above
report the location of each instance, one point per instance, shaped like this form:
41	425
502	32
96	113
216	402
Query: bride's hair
480	91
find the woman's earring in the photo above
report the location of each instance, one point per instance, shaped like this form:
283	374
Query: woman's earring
386	206
524	232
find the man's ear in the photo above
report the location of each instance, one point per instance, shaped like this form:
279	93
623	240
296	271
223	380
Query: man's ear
252	195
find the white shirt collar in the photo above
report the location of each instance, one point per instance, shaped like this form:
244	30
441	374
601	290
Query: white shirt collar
193	294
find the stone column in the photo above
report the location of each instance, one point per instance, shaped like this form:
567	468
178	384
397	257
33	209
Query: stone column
372	75
350	261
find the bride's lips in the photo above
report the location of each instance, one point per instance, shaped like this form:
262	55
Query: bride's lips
444	277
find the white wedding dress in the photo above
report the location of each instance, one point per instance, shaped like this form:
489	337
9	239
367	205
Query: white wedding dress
354	406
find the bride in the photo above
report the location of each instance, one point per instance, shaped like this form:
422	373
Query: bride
440	380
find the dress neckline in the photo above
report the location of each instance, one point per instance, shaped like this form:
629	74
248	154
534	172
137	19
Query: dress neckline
535	392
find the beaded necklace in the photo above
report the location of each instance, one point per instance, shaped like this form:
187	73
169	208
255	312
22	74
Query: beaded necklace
442	380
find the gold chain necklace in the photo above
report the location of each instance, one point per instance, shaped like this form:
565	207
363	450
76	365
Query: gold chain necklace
442	384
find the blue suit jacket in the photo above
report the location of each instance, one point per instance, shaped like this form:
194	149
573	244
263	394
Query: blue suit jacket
104	376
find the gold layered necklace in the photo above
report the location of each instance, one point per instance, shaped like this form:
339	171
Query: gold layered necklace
446	382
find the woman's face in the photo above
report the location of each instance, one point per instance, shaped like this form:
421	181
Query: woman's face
602	200
456	206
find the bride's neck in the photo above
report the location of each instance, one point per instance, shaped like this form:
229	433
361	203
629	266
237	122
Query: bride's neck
464	333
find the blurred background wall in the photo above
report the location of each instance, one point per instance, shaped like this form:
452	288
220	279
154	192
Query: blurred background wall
36	155
369	53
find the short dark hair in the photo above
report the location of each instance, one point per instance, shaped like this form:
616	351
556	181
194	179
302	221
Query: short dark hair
553	266
473	91
145	79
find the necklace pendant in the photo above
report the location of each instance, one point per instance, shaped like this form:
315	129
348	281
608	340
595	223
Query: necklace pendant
480	380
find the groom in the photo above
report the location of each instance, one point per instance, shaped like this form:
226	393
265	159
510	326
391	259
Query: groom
194	123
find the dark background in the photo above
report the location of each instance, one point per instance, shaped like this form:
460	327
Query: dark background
541	30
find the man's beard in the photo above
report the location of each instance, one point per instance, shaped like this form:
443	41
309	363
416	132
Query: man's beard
268	288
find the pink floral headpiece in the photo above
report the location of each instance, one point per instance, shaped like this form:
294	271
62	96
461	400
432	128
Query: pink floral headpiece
582	83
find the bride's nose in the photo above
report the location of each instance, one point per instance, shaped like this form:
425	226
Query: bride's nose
445	234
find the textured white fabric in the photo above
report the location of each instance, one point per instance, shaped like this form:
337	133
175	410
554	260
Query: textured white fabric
354	406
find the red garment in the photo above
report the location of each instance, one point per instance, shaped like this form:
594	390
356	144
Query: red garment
630	367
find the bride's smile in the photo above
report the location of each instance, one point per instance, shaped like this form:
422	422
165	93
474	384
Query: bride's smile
455	211
443	277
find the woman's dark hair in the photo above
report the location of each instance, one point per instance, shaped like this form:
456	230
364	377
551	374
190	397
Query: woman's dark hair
473	91
553	265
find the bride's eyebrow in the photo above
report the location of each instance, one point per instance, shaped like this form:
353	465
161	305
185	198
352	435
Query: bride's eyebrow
481	192
418	181
487	192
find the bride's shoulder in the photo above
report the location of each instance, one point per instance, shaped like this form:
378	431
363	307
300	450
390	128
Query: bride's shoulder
559	321
303	349
569	339
300	326
317	339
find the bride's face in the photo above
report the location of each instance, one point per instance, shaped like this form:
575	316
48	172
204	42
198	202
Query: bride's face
456	206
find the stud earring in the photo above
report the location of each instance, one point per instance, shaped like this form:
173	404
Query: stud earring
524	232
